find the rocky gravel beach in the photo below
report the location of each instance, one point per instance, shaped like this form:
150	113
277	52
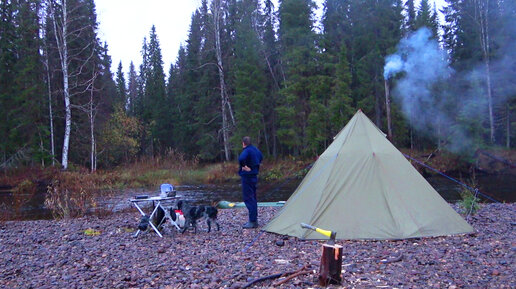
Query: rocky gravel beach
100	252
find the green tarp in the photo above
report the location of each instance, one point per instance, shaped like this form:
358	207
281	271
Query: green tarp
362	187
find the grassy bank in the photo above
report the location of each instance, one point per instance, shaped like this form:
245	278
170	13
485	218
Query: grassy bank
494	161
149	173
73	192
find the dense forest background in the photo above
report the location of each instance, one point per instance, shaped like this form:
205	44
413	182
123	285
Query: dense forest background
429	79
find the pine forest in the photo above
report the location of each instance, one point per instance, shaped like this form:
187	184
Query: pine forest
429	77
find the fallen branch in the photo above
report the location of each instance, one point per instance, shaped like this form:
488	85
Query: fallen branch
431	155
392	260
292	274
511	165
291	277
263	278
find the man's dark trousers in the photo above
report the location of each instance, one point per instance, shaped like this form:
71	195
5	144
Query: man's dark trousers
249	196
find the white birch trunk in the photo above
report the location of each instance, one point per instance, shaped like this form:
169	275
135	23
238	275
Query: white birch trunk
68	110
223	95
62	47
91	116
508	127
483	11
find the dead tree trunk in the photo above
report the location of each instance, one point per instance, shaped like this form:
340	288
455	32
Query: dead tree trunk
50	113
388	110
91	117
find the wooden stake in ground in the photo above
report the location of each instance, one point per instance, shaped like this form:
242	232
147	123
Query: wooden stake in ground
331	265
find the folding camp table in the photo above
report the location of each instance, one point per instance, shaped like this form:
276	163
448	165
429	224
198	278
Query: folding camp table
157	204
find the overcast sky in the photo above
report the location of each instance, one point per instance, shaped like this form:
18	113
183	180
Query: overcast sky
124	23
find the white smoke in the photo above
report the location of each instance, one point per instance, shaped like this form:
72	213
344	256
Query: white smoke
422	65
437	101
418	53
393	64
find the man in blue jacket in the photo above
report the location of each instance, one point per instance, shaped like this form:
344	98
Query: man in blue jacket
249	161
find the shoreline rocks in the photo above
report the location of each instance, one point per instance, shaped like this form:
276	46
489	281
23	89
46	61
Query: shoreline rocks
58	254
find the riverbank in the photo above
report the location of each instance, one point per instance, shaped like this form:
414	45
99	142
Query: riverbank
175	169
59	254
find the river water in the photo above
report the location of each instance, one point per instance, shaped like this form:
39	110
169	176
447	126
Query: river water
500	187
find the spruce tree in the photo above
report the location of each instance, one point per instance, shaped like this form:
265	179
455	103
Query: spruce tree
426	18
273	73
121	88
155	107
142	80
335	26
132	90
376	31
21	84
298	53
174	112
28	111
7	63
208	132
335	38
249	75
341	103
410	11
188	97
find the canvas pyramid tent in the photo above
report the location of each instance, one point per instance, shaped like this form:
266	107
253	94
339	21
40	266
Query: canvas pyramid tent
362	187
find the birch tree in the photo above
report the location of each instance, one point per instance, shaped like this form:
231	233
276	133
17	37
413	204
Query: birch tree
482	10
225	104
90	109
61	34
72	25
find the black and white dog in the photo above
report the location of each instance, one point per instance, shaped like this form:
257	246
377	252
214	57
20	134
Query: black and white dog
157	220
194	213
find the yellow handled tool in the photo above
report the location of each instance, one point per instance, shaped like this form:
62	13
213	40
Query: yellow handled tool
329	234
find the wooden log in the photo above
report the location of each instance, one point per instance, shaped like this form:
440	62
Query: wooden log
330	271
